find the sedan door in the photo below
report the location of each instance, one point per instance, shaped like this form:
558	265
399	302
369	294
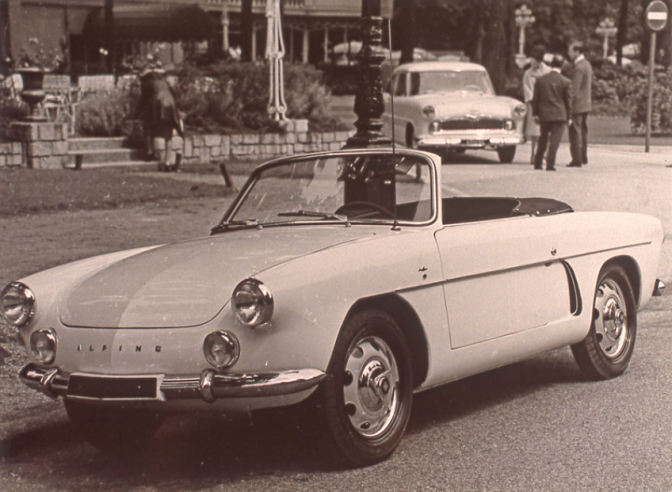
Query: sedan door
501	278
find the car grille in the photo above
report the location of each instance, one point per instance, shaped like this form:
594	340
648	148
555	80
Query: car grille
480	124
107	388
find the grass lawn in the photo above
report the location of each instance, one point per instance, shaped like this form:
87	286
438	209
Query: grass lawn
31	191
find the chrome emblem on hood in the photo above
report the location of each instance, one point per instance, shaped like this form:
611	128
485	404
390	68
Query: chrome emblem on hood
103	348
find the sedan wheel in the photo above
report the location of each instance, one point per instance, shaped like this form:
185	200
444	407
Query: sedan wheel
606	351
369	391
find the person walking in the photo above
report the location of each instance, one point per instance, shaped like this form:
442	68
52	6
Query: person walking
536	70
159	114
581	74
552	108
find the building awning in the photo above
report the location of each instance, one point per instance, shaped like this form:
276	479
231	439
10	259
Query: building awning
154	23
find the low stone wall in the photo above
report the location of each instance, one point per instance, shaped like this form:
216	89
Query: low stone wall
44	145
296	139
41	145
11	154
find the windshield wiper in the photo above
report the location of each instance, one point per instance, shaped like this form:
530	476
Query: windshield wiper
309	213
234	223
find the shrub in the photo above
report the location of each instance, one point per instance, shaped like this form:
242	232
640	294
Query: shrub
224	97
105	114
233	96
661	121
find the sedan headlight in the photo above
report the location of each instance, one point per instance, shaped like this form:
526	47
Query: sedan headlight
221	349
18	304
429	111
519	111
43	345
252	303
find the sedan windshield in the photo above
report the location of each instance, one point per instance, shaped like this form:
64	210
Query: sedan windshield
449	81
343	188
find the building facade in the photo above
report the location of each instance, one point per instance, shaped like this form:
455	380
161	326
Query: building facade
80	30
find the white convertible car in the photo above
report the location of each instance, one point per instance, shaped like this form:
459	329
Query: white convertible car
451	106
344	281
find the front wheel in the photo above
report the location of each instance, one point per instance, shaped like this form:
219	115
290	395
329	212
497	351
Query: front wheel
607	349
506	154
368	392
113	428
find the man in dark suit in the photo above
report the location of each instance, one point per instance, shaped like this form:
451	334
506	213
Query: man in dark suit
551	107
581	74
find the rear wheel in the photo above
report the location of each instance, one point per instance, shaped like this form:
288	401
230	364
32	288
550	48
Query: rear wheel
506	154
368	393
607	349
113	428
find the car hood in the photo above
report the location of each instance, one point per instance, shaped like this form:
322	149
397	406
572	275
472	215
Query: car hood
453	104
187	284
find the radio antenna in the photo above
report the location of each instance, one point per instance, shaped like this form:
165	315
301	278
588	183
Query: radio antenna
389	48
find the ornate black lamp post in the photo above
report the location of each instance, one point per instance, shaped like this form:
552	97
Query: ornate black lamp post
369	104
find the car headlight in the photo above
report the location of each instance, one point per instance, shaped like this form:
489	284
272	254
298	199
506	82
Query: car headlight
252	303
43	345
18	304
519	111
221	349
429	111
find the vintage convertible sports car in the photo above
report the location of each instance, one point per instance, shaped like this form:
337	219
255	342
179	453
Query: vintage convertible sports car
342	280
451	106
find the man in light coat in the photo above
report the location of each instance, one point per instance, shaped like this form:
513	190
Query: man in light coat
581	74
552	108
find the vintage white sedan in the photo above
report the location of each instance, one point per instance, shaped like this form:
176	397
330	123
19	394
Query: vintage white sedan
344	281
444	105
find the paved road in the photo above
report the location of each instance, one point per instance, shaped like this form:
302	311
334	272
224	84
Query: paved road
536	425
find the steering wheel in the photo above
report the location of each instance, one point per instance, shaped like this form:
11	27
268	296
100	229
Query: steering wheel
471	88
371	205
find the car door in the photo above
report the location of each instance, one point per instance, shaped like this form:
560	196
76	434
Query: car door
500	278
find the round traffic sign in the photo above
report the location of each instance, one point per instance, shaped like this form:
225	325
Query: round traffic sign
656	15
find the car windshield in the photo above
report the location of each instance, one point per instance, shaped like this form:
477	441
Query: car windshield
449	81
348	188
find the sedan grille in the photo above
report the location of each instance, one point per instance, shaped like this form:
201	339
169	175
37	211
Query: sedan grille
480	124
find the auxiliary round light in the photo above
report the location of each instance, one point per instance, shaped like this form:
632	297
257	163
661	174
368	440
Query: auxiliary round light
221	349
252	303
509	125
43	345
434	126
18	303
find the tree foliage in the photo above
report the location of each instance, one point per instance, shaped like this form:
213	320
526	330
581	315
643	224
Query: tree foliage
485	30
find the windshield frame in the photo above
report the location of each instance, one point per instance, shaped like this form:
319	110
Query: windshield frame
228	221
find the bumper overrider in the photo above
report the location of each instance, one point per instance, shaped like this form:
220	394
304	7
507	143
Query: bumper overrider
208	386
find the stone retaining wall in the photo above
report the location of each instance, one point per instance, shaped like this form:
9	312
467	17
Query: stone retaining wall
41	145
45	145
296	139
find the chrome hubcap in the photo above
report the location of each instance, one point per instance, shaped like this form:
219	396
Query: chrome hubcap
611	319
371	386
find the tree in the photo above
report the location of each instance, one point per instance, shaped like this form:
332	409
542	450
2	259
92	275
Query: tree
247	31
408	37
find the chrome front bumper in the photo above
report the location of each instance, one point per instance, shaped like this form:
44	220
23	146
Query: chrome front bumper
465	142
209	386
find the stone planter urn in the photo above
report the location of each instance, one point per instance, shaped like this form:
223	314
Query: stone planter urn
33	92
